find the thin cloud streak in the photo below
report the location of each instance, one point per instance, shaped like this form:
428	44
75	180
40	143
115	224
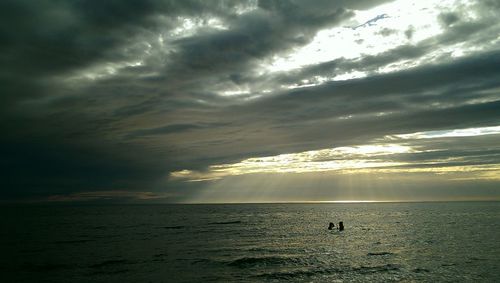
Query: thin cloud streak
470	132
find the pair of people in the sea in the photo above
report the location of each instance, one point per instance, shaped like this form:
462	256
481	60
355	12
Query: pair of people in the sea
332	226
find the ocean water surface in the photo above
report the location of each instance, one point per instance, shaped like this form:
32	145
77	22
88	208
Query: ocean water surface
382	242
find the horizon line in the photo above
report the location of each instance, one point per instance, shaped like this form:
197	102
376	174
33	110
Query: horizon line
157	202
339	201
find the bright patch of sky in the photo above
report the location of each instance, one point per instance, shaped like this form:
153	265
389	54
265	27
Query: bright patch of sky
373	32
372	158
235	92
340	158
103	70
190	26
469	132
246	7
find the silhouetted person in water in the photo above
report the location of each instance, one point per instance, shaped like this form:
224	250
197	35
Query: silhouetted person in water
341	226
331	226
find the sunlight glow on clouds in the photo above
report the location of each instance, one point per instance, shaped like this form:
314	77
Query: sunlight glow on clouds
339	158
380	158
103	71
468	172
470	132
190	26
373	32
360	37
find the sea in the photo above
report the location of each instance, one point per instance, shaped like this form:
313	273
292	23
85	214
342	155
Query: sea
381	242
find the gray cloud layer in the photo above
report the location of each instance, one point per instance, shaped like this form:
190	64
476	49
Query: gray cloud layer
128	128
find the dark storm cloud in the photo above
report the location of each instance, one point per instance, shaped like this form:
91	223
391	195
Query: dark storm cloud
170	129
173	129
35	168
39	39
43	139
480	71
277	27
54	36
77	113
448	19
312	118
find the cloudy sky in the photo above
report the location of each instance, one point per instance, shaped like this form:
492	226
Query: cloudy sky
252	101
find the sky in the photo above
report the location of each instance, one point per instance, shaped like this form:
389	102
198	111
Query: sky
251	101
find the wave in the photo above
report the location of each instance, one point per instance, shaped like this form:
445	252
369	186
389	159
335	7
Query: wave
73	241
110	272
378	268
202	260
477	259
99	227
263	261
293	274
288	275
224	223
46	267
378	253
173	227
420	270
112	262
448	264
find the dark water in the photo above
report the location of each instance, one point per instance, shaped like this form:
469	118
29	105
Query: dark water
385	242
